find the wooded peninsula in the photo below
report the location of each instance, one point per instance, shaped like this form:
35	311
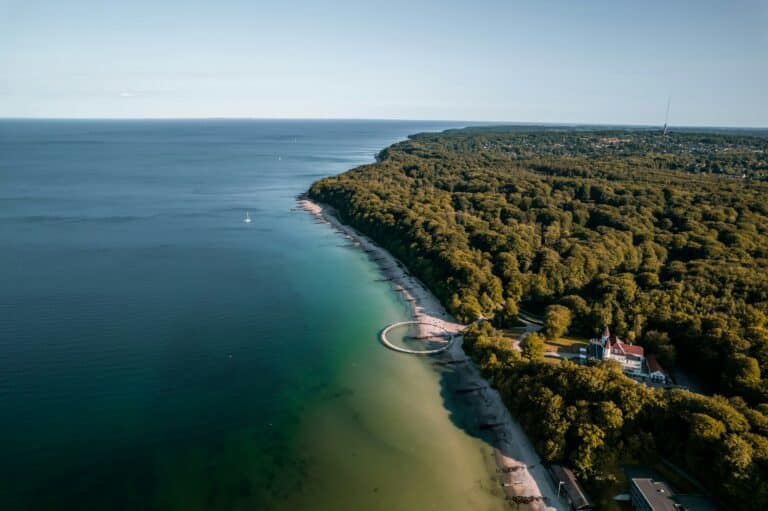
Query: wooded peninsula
663	238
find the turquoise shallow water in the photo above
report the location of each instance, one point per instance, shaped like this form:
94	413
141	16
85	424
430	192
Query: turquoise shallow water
156	352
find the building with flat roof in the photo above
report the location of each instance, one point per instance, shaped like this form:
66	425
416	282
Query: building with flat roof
650	495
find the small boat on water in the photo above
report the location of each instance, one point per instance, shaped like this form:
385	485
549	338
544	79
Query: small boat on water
247	219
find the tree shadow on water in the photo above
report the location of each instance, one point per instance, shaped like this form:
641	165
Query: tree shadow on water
464	396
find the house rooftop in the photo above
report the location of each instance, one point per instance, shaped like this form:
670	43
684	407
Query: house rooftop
618	346
657	494
653	364
570	486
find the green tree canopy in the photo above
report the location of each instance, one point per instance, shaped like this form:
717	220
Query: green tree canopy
557	320
533	346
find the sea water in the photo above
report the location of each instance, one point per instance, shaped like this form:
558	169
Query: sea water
158	352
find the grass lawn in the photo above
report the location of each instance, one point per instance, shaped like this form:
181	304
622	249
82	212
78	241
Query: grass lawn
568	344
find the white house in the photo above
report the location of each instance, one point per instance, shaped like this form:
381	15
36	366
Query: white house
631	357
608	347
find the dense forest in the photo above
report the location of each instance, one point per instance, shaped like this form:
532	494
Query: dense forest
594	418
663	238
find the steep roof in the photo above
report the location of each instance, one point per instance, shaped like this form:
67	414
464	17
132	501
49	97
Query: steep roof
653	364
619	347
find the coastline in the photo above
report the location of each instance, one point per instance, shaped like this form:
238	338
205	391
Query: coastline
520	473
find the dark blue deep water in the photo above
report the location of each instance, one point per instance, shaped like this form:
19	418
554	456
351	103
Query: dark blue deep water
156	352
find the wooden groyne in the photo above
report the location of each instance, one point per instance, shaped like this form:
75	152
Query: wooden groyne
450	362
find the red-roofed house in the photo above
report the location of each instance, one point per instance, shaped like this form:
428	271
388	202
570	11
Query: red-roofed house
630	356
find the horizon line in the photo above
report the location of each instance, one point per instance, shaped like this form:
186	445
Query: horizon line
390	119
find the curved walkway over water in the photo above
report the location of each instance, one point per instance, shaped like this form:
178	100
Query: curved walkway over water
388	344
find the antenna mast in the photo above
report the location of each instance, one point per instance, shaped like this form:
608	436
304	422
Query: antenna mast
666	117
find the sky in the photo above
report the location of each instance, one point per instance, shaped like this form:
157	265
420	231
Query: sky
605	62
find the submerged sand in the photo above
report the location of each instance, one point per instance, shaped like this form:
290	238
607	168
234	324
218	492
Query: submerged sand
520	472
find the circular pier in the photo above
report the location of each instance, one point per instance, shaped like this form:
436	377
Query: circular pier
386	342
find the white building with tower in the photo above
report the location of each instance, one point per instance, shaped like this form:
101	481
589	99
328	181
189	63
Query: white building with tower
630	356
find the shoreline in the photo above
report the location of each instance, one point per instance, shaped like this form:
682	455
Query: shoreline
520	473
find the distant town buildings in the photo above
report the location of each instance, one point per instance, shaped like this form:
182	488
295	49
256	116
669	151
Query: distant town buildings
630	356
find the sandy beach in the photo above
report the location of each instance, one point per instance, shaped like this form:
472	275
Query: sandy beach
519	470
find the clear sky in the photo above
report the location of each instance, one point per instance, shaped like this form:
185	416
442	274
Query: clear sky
506	60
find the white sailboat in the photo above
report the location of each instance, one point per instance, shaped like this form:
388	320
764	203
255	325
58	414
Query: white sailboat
247	219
